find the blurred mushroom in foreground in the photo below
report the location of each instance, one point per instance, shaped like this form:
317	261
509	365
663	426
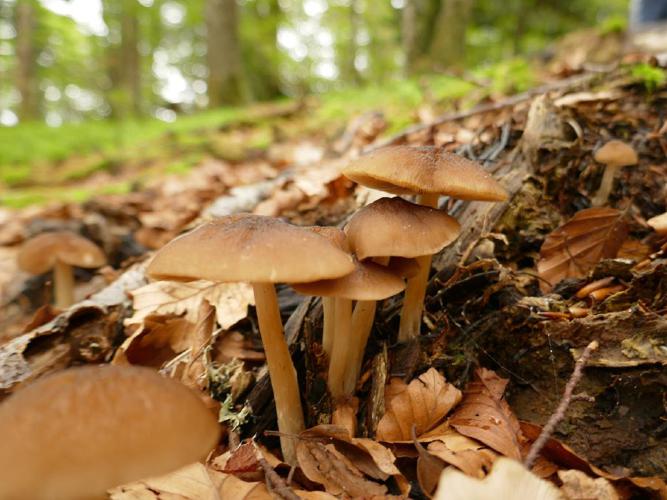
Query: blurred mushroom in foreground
60	251
507	479
79	432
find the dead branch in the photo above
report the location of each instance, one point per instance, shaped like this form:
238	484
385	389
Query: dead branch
565	401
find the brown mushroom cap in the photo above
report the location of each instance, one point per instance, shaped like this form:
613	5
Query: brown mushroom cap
369	281
39	254
81	431
616	153
334	235
250	248
659	223
424	170
394	227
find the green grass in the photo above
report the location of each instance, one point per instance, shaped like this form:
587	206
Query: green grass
40	163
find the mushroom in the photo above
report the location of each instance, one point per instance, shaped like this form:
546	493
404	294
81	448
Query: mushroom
394	227
60	251
263	251
81	431
614	155
338	238
659	224
427	172
368	282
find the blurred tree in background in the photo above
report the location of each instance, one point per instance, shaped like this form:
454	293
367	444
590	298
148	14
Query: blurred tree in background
129	58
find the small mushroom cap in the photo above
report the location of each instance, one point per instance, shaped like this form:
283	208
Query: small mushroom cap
369	281
424	170
616	153
250	248
394	227
659	223
82	431
39	254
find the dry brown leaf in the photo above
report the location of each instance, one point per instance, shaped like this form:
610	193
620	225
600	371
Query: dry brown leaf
575	247
485	416
470	456
423	403
324	465
233	345
508	479
194	482
579	486
230	300
368	456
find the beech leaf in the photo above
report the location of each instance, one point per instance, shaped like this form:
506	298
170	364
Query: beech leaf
485	416
578	245
424	403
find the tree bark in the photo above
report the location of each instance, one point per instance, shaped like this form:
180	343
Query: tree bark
409	36
25	52
449	39
226	82
130	58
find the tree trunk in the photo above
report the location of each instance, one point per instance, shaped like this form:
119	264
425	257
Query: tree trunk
353	74
449	39
25	55
409	36
130	58
226	82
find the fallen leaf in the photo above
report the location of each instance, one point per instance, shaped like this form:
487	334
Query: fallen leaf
367	455
424	403
575	247
233	345
508	479
230	300
579	486
467	455
194	482
324	465
485	416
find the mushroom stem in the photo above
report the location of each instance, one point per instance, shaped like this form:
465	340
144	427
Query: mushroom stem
338	365
281	369
63	284
413	301
362	324
328	330
606	184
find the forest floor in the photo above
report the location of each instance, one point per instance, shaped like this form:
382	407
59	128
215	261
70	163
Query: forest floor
498	342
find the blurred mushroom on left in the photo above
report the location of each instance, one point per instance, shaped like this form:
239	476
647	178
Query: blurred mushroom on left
60	251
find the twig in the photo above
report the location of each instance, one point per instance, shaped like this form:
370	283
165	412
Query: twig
559	414
274	482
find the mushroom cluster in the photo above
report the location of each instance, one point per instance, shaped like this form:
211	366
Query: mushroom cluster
385	248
